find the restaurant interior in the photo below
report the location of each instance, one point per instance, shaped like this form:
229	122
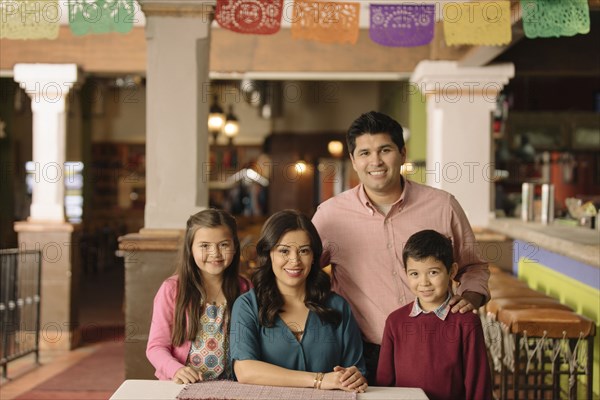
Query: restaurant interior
282	107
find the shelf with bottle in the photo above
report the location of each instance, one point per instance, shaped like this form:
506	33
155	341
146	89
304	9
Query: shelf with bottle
118	184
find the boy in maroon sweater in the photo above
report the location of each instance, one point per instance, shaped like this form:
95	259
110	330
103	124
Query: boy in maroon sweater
423	344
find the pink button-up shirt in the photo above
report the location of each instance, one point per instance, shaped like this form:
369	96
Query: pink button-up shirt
364	248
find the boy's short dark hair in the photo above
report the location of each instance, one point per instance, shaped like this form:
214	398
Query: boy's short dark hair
429	243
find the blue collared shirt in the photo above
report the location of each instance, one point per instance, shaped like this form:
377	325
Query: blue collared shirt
441	311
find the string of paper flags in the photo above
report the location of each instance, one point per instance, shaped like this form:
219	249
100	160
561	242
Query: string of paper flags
404	24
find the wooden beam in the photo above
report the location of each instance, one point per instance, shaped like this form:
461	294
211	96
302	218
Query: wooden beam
231	52
110	53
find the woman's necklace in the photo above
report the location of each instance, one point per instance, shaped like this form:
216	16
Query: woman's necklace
298	334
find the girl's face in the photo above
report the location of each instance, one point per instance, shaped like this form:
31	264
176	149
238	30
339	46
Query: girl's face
291	259
213	250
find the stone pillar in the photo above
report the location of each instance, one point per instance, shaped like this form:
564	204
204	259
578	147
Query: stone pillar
149	259
178	40
46	230
459	138
48	86
59	305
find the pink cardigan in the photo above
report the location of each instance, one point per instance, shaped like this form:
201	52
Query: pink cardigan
161	353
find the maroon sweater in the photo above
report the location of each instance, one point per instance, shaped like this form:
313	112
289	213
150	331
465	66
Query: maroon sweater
447	359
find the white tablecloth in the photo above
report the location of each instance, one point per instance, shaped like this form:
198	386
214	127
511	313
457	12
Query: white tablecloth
135	389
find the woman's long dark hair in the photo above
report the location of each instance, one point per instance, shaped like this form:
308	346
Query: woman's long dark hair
318	286
191	294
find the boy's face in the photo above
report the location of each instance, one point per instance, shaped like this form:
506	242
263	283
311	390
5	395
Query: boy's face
429	280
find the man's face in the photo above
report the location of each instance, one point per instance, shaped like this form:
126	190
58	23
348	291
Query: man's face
377	161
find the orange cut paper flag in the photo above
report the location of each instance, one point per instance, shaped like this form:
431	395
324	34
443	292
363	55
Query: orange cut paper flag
477	23
29	19
325	22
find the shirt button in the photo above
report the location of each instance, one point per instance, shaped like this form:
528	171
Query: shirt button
394	273
389	245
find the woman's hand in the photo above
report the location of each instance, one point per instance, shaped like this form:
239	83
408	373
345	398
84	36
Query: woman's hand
186	375
349	379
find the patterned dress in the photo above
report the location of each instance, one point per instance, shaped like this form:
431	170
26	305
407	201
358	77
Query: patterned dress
208	353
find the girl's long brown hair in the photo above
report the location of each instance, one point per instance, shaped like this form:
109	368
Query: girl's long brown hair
318	284
191	294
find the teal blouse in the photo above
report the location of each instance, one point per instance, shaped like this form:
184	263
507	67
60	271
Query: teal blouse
322	347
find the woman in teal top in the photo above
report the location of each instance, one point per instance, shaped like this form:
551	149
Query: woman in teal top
291	330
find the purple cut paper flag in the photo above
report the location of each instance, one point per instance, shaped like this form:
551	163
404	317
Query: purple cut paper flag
399	25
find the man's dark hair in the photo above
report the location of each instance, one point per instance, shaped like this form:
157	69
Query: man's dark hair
372	123
429	243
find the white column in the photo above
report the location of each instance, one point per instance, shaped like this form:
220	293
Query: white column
178	42
48	86
459	148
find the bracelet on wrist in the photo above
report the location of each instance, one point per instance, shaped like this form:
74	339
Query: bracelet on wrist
321	376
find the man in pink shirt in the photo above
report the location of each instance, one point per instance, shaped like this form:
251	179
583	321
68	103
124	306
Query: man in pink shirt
364	230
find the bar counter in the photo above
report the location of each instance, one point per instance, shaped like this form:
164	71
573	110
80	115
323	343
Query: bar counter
561	261
577	243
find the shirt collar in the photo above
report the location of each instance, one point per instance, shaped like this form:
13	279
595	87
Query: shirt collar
441	312
364	199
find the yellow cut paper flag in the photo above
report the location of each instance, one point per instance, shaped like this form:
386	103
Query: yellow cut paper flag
29	19
325	22
477	23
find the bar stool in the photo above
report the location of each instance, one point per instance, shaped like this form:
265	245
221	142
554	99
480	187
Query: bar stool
505	282
503	276
503	279
496	341
494	333
514	291
550	338
506	287
521	303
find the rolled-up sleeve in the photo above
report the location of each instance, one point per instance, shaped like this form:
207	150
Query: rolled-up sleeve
473	272
319	221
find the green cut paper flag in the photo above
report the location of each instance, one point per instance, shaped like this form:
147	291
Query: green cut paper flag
555	18
101	16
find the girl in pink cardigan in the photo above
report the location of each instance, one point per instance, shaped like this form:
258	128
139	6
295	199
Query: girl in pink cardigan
189	331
